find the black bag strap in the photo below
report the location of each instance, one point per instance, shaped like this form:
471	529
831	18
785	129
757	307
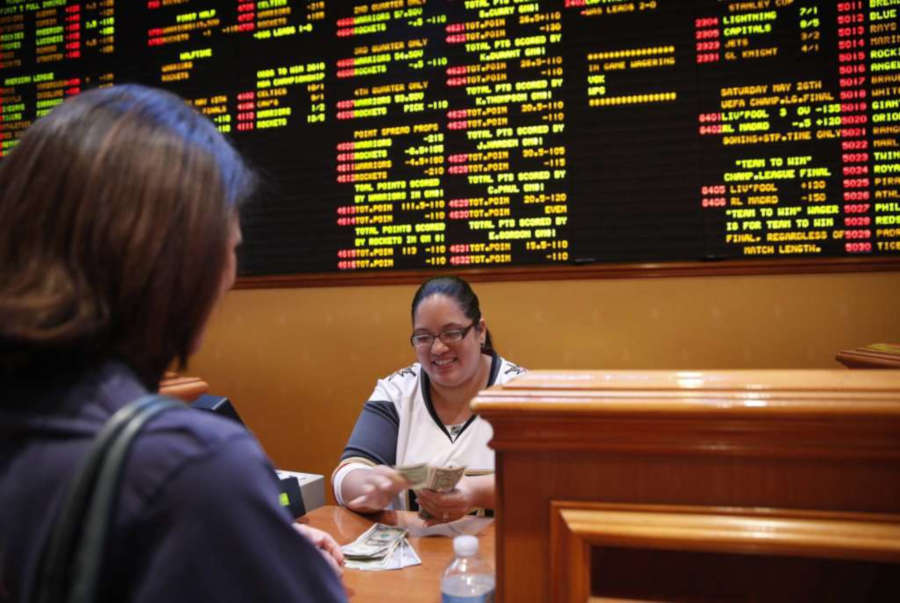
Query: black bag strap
69	567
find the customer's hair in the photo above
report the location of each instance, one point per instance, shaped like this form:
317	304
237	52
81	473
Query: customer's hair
114	225
459	290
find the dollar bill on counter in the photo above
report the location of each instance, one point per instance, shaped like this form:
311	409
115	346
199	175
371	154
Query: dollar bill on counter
376	542
423	475
402	555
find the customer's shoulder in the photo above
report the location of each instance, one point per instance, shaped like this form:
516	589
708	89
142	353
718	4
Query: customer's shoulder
193	445
192	432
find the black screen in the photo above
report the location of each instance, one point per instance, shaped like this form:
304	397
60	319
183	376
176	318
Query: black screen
404	134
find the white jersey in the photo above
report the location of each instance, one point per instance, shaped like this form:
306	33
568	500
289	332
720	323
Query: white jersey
399	426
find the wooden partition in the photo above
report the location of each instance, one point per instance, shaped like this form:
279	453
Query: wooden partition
715	485
875	355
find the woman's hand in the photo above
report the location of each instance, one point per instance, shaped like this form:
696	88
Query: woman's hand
327	545
378	486
448	506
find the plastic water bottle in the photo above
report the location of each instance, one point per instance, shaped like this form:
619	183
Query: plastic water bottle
468	579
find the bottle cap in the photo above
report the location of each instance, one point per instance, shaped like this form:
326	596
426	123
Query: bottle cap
465	545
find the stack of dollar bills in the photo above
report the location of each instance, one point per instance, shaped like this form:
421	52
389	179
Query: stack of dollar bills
381	547
423	475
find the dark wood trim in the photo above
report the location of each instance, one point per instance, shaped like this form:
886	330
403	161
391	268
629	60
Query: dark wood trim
570	557
499	524
567	272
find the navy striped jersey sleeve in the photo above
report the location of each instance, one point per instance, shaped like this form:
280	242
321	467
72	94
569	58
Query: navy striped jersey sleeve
375	434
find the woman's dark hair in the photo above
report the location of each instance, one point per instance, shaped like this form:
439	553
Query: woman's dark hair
459	290
115	214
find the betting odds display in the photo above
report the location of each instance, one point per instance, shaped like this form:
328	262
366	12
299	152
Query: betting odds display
405	134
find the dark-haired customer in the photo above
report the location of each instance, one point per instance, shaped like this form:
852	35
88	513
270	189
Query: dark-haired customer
118	228
421	413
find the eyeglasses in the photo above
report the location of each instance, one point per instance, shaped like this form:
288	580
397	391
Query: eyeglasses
448	337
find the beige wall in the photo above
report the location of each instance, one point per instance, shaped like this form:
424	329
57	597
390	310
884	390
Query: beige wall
298	363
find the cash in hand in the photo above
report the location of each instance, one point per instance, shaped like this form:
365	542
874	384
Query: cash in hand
423	475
